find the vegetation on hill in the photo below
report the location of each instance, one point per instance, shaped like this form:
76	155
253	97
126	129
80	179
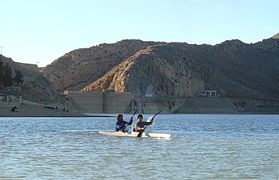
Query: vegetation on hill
25	80
8	76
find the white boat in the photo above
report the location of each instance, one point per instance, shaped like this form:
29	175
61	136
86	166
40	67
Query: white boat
135	134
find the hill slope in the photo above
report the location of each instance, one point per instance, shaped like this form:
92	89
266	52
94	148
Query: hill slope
242	74
36	91
177	69
80	67
276	36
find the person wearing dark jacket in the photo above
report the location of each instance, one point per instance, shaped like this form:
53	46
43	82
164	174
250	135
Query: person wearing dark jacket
121	125
14	108
141	125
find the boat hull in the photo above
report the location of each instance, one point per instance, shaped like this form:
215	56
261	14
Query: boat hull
135	134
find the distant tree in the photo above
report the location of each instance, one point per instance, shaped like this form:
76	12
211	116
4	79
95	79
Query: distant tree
1	71
7	76
18	79
1	63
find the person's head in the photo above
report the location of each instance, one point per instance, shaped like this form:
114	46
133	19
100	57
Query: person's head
140	117
120	117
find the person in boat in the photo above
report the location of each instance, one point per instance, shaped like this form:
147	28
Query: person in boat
14	108
141	125
122	125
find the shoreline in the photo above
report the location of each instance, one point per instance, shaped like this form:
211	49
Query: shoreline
31	110
17	114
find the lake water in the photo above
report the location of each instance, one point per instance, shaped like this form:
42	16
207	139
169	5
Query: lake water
202	147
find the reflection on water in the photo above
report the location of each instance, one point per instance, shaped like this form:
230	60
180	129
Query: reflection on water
202	147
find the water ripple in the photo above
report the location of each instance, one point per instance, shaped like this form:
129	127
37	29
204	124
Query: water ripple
202	147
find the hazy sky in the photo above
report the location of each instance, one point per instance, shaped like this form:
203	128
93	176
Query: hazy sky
40	31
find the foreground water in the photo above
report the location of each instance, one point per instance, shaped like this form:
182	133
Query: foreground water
202	147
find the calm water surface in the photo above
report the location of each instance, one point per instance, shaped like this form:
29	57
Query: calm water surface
202	147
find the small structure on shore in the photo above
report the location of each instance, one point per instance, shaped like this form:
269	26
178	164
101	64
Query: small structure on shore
12	98
209	93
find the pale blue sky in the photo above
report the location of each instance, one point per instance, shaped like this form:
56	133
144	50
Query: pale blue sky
42	30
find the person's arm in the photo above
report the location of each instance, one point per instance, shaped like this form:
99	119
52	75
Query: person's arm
149	123
130	122
117	127
140	129
137	128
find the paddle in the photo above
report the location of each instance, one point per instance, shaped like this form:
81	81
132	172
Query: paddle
132	117
140	133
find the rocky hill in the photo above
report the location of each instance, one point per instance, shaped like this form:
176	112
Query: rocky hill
276	36
233	68
156	70
36	90
80	67
36	87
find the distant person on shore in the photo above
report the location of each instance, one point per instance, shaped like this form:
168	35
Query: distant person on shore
122	125
14	108
141	125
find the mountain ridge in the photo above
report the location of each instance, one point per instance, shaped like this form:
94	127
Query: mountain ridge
233	67
36	93
276	36
104	55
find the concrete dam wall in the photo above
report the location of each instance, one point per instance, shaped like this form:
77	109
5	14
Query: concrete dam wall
102	102
112	102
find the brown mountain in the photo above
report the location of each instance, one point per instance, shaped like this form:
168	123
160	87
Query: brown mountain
80	67
276	36
179	69
36	87
153	69
233	68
